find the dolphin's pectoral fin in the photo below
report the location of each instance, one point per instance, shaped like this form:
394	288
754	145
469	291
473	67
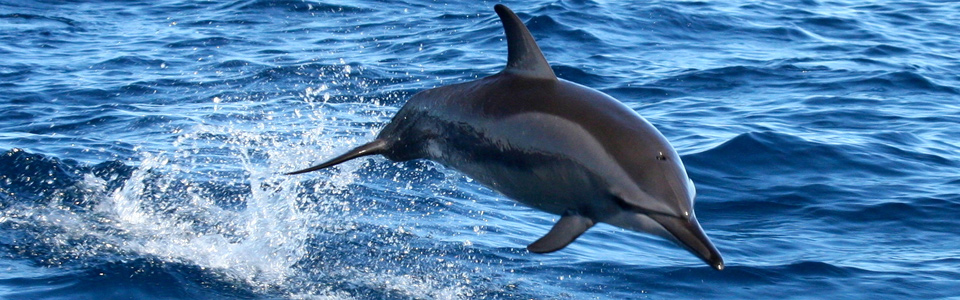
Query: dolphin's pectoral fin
562	234
377	146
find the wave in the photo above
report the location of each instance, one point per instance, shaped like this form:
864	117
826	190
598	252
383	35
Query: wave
35	177
886	50
900	80
548	25
296	6
41	19
140	278
206	42
772	152
726	78
125	61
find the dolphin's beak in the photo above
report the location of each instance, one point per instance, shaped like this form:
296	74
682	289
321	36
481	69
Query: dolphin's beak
687	233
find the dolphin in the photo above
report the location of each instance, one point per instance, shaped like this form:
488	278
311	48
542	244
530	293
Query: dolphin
550	144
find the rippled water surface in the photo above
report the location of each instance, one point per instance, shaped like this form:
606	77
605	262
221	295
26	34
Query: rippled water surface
142	144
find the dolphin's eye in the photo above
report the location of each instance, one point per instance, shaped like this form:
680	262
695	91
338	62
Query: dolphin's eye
661	156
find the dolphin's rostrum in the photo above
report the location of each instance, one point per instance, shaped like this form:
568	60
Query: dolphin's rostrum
550	144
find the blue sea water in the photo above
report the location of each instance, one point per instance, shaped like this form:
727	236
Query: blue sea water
142	144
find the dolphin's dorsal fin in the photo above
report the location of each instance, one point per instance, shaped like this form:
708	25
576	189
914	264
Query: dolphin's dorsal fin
562	234
524	57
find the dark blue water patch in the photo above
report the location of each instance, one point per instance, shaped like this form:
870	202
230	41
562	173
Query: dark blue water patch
616	280
11	74
43	117
838	27
703	80
39	35
898	138
206	23
5	51
765	281
128	279
238	64
128	61
39	18
926	214
309	70
182	7
28	177
580	76
917	160
645	94
203	42
841	101
45	26
23	115
830	48
114	172
75	125
792	278
176	83
755	153
779	33
732	77
886	50
685	24
853	118
833	23
297	6
802	270
900	18
546	26
936	25
33	177
901	80
150	121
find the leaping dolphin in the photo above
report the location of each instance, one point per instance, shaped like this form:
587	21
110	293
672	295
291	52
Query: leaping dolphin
551	144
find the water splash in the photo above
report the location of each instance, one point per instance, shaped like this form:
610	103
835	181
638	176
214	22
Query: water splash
218	202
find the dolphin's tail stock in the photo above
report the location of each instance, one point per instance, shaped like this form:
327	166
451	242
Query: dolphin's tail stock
378	146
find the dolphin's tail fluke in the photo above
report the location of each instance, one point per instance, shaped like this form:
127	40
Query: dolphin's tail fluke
377	146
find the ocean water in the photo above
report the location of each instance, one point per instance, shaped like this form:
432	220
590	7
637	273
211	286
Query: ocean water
142	142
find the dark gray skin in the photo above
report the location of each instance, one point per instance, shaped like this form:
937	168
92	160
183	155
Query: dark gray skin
550	144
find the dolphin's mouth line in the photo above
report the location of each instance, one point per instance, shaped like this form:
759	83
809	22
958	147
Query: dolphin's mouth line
637	209
657	213
687	232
